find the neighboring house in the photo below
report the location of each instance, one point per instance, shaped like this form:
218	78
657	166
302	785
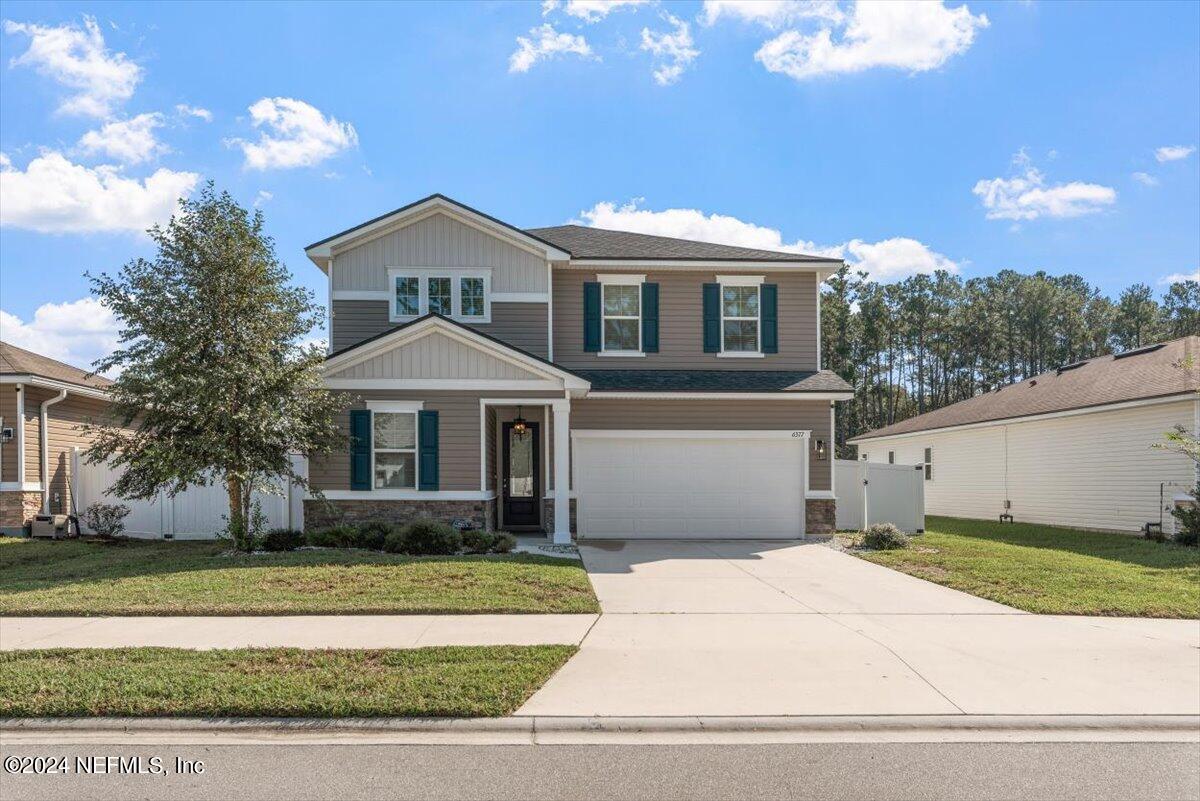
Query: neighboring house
633	385
43	402
1072	446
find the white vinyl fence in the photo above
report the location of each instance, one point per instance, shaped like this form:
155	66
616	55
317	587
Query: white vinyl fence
198	512
868	493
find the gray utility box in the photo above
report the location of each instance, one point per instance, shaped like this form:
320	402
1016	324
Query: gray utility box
53	526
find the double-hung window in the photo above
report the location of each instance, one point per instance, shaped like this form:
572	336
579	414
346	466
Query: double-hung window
741	315
394	445
460	294
928	464
621	314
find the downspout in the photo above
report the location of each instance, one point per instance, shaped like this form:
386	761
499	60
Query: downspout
45	437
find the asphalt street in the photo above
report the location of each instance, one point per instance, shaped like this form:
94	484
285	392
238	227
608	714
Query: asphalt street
958	771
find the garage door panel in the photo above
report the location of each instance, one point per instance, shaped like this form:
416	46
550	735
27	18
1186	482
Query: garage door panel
699	486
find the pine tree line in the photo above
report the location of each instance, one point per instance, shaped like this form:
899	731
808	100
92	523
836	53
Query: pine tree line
932	340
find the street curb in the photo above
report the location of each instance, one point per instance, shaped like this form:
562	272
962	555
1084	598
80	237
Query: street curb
631	730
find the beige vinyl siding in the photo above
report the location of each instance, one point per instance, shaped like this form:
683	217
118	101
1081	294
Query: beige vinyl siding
1094	470
681	324
438	240
711	415
523	325
458	437
8	451
435	356
33	433
65	420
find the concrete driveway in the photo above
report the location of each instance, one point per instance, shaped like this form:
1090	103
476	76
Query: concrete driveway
761	628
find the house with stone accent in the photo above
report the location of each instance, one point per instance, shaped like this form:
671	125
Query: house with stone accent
574	379
43	406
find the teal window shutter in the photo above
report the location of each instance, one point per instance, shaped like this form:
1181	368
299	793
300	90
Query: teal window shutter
591	317
650	318
427	446
712	318
769	301
360	449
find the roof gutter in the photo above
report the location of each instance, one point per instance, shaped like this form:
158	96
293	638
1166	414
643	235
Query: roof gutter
45	443
56	385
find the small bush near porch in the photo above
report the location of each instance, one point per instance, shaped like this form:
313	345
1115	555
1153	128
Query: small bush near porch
39	577
1053	570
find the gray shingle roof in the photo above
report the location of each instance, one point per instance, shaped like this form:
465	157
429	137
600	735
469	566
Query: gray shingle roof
583	242
1140	374
18	361
714	381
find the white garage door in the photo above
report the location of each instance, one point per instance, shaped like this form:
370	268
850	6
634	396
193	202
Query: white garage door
689	484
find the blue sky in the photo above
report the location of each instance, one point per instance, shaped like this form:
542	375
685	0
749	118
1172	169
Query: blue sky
974	137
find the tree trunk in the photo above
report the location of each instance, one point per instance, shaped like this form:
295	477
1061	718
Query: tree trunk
239	528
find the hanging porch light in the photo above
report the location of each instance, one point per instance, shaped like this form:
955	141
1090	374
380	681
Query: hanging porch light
519	426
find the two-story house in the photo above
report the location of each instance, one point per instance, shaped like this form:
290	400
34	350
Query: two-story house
574	378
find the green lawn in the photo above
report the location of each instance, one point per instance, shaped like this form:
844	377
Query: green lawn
275	682
73	577
1053	570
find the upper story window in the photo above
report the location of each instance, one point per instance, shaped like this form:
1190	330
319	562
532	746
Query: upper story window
460	294
621	314
741	315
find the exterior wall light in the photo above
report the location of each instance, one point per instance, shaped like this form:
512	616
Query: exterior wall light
819	448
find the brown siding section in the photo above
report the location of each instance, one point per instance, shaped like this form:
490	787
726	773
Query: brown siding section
8	451
458	438
680	331
712	414
523	325
65	421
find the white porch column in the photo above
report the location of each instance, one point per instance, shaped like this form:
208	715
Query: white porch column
562	471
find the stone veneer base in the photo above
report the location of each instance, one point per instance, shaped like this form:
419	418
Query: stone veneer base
322	514
820	515
17	507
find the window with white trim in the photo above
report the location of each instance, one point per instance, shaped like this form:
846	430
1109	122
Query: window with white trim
394	449
621	313
929	464
891	457
458	294
741	315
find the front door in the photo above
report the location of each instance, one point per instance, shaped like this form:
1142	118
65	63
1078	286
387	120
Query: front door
521	488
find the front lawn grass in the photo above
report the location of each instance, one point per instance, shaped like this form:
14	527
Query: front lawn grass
74	577
1053	570
458	681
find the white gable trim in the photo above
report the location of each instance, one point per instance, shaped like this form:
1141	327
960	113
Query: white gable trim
414	331
320	254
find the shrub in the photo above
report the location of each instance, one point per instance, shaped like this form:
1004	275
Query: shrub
282	539
478	541
431	538
1187	530
884	537
504	543
106	519
334	537
396	541
373	535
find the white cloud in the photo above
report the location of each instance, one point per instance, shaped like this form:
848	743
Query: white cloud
293	134
909	35
129	141
544	42
1179	278
54	195
184	110
886	260
772	14
1026	196
78	59
1145	179
593	10
673	51
548	6
263	197
78	332
1173	152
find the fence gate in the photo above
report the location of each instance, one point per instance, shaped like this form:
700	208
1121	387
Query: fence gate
198	512
868	492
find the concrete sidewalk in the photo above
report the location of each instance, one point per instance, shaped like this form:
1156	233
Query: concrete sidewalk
297	631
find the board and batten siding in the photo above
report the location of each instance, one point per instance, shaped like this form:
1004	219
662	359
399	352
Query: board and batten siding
712	415
523	325
438	240
1095	470
435	356
458	437
681	324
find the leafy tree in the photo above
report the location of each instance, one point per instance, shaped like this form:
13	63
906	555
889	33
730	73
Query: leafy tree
1136	318
213	384
1181	309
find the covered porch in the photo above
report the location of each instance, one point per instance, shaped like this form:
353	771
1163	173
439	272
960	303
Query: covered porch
525	454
